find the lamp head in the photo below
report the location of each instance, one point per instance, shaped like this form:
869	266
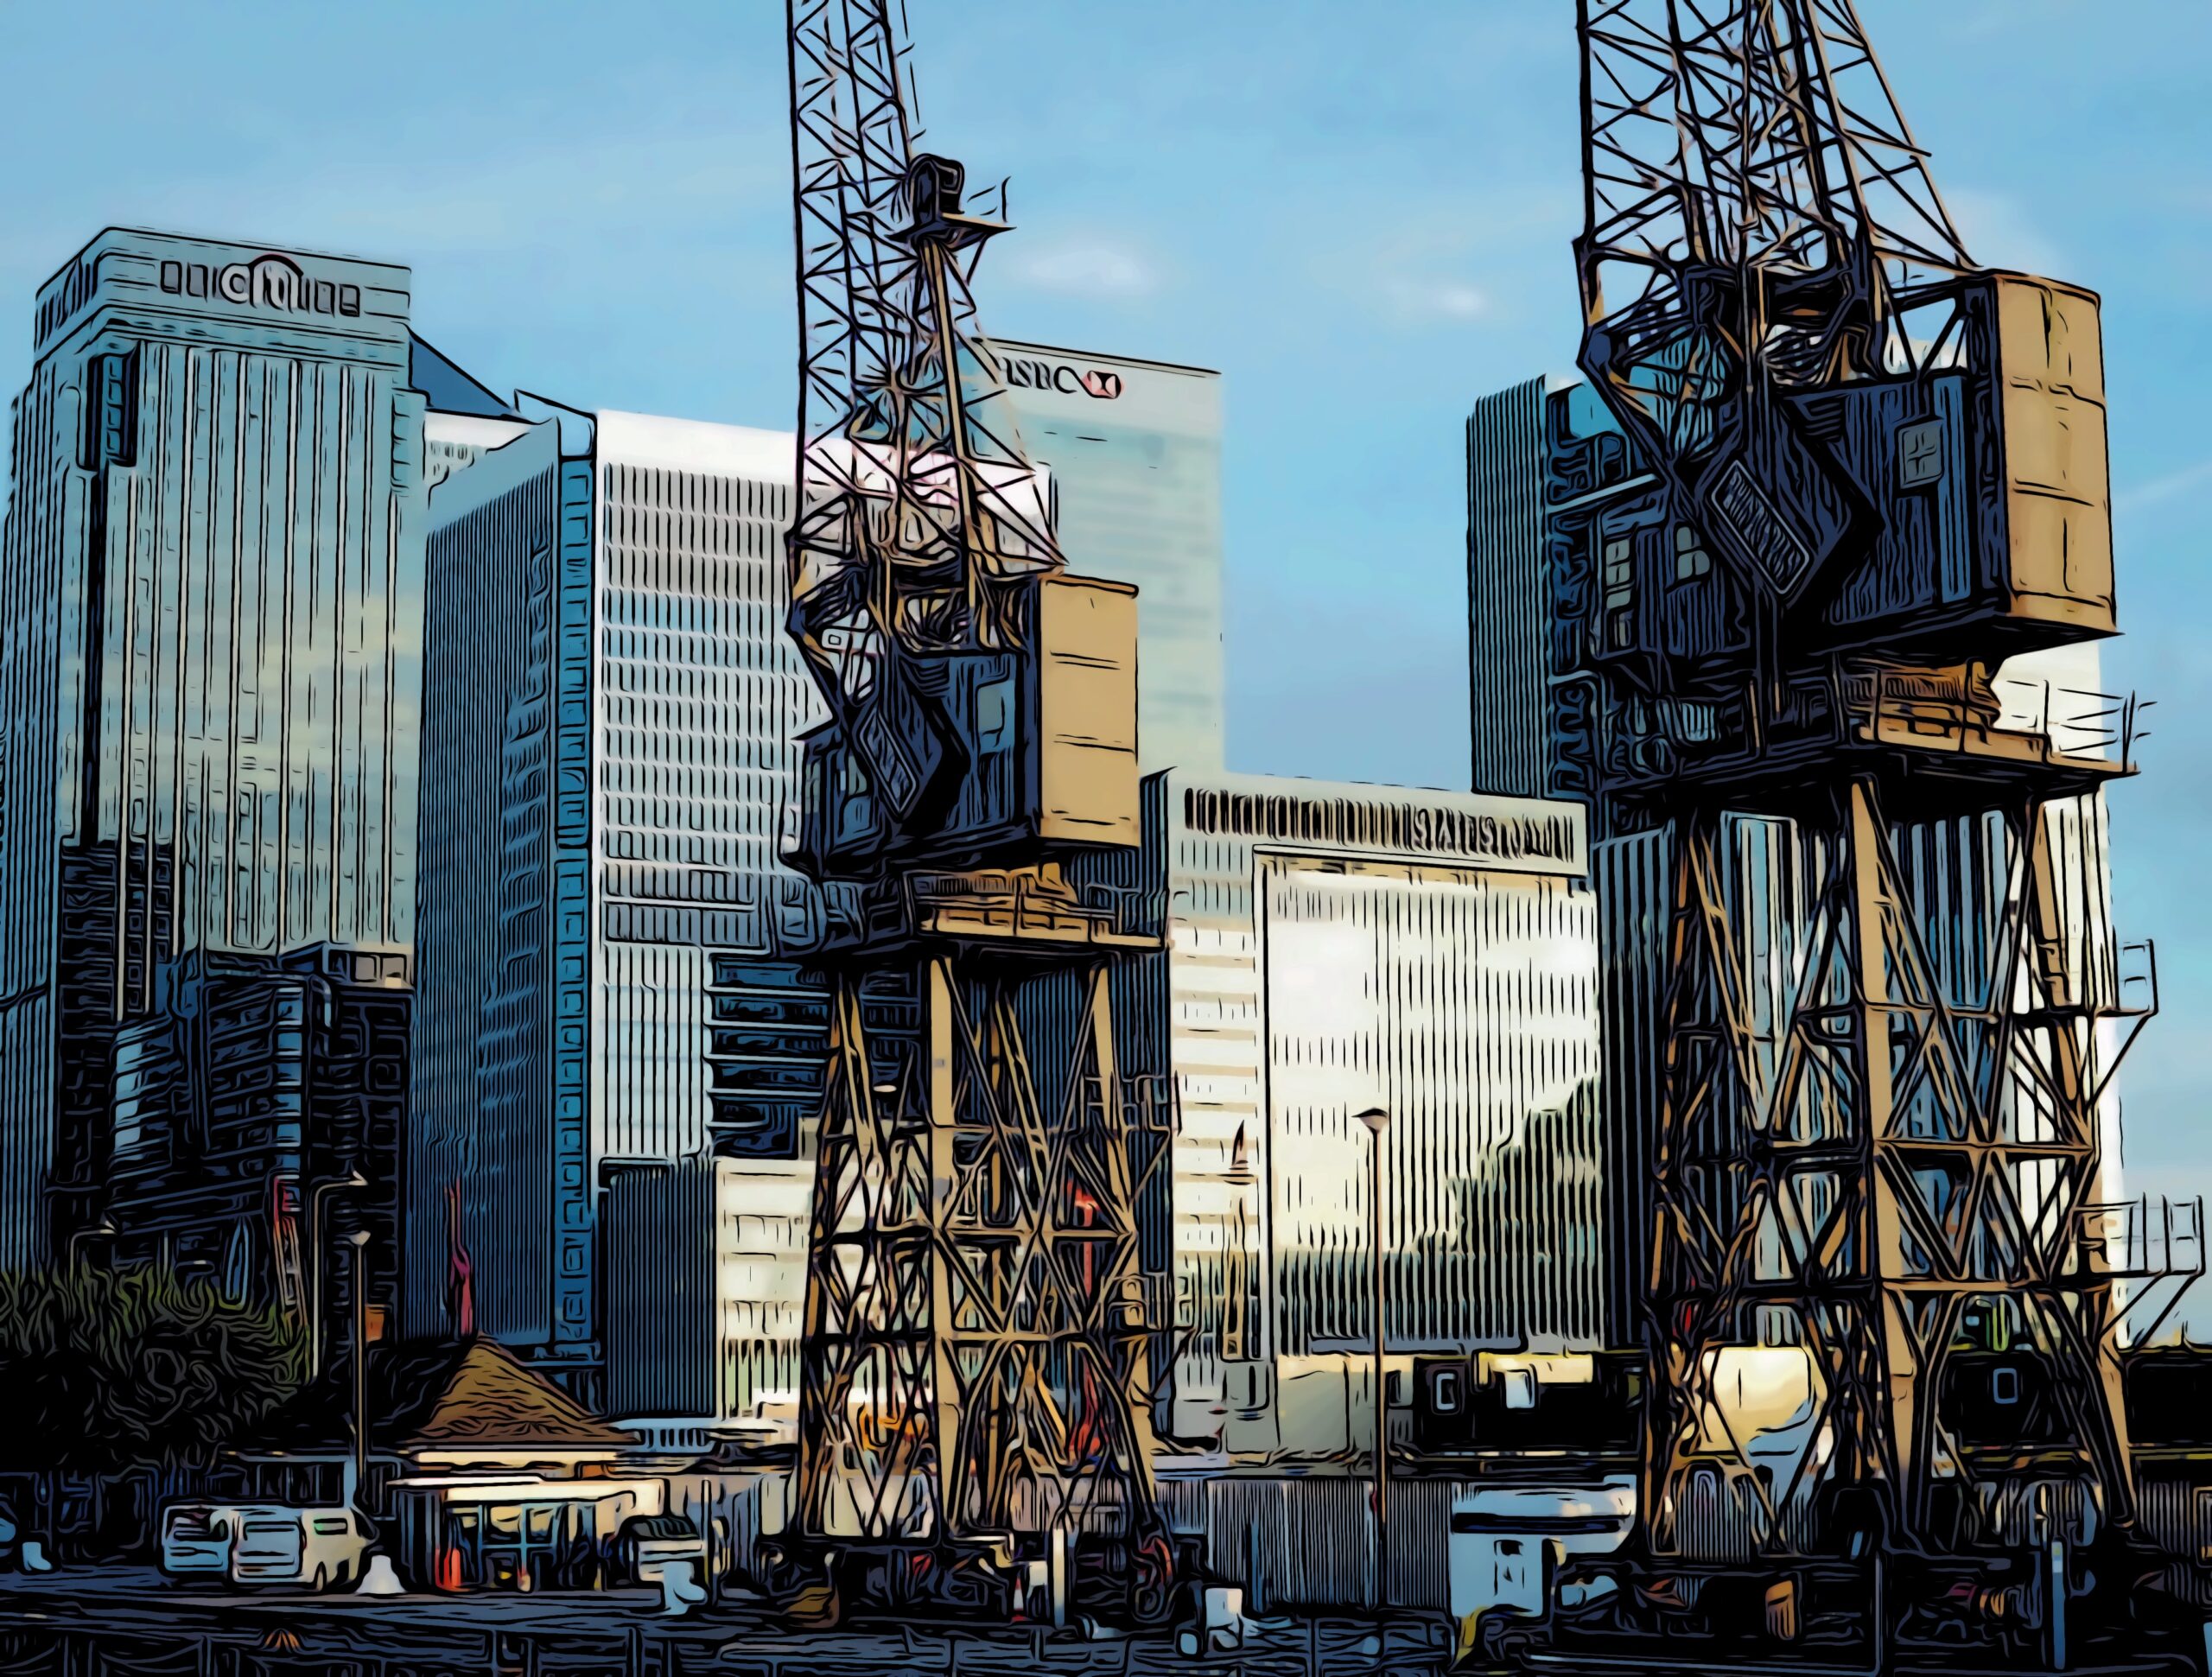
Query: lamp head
1377	1121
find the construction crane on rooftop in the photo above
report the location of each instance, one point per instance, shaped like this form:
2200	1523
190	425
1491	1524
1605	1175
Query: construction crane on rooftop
1885	1299
976	1388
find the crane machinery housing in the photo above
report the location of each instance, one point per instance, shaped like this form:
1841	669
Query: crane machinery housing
1854	472
975	1409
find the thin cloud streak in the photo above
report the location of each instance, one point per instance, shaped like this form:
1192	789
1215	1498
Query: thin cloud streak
1090	266
2163	489
1427	300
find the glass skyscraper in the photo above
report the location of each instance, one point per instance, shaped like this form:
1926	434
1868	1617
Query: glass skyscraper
609	934
212	586
611	751
1135	452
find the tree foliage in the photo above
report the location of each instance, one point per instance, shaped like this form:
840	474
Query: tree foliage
104	1370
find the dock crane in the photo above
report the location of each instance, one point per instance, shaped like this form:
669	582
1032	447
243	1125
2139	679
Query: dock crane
974	1410
1885	1301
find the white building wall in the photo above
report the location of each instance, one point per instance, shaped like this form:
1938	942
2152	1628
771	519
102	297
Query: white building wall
698	700
760	1289
1337	947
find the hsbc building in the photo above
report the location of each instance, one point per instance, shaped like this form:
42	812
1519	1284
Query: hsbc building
1134	449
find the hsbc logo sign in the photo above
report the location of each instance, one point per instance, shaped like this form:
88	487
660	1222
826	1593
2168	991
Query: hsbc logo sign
1026	373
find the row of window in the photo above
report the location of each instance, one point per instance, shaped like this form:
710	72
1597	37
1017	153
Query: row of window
1692	561
665	491
700	649
675	784
709	716
713	548
738	746
642	843
740	615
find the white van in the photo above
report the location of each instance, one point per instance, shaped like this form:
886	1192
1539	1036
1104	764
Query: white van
196	1541
319	1547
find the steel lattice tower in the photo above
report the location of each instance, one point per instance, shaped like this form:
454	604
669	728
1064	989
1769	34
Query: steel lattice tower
976	1390
1875	1131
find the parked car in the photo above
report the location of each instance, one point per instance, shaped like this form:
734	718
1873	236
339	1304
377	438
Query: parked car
196	1541
319	1547
654	1540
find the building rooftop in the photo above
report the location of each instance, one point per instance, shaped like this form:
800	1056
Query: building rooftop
473	1395
450	389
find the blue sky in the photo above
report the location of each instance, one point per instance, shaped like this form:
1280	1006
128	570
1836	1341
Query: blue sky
1360	212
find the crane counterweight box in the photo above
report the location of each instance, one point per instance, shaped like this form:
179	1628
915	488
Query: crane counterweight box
1984	521
1039	745
1989	479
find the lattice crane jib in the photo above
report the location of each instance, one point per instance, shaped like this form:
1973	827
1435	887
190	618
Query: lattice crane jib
1886	1041
1759	219
976	1381
919	514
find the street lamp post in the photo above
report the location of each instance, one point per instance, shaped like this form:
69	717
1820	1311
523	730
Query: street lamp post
359	1241
104	1229
351	1181
1377	1120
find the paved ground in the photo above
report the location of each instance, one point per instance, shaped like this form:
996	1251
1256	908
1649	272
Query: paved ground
92	1621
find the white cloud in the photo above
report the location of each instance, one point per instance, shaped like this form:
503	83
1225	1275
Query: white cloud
2164	489
1419	298
1453	261
1085	266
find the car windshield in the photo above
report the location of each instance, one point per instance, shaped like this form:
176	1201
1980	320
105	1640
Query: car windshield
191	1522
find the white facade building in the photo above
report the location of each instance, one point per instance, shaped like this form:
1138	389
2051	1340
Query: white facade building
1333	948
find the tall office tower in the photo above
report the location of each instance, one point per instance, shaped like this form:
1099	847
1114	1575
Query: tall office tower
612	707
1135	452
211	592
609	934
1557	500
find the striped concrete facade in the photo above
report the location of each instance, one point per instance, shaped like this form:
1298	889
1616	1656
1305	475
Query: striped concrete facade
1337	947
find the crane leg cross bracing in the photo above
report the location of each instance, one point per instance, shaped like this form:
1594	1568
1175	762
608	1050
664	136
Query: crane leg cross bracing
977	1314
1877	1175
